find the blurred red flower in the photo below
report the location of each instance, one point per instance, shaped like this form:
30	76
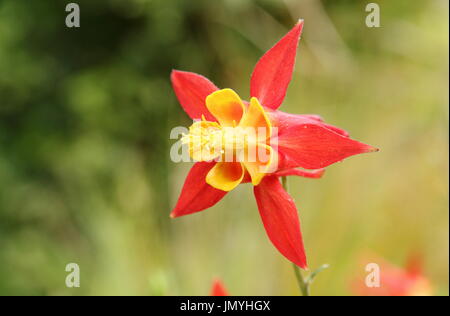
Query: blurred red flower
397	281
218	289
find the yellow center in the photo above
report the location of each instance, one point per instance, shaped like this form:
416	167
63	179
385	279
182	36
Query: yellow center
208	141
238	140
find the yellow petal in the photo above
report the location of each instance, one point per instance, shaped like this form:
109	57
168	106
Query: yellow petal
255	117
259	162
225	176
226	106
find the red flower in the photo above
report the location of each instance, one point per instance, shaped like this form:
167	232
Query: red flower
302	141
397	281
218	289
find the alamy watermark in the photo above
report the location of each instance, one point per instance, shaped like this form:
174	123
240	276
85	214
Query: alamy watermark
73	18
73	278
373	278
373	18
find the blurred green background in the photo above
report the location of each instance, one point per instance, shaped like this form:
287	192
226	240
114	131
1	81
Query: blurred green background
85	116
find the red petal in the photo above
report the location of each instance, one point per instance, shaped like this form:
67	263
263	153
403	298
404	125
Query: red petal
218	289
336	129
314	174
284	121
310	144
313	117
273	72
191	90
333	128
196	194
280	219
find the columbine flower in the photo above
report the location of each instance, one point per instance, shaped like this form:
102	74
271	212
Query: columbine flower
301	141
218	289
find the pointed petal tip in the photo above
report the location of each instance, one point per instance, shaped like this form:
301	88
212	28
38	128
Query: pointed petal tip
174	72
372	149
218	289
300	22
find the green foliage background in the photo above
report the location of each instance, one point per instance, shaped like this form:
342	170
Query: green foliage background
85	116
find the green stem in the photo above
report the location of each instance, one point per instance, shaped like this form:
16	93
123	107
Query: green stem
304	286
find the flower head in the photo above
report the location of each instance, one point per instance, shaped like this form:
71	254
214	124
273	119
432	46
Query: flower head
234	142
